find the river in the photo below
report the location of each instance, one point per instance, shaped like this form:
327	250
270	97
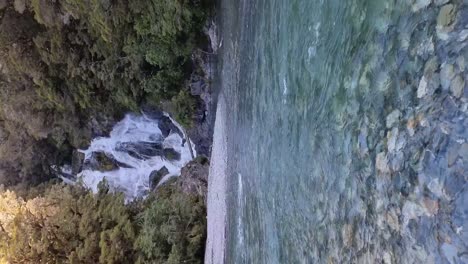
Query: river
345	126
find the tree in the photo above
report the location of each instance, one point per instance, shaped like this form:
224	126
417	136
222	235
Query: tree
173	228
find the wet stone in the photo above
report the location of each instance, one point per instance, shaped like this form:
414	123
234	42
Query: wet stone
440	2
422	88
156	176
381	163
393	118
452	154
447	73
457	86
397	161
463	152
446	15
420	4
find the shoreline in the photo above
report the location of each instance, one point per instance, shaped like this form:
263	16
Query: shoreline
216	201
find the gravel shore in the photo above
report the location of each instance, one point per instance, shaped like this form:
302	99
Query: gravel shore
216	240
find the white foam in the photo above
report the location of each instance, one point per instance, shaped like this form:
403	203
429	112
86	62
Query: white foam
134	181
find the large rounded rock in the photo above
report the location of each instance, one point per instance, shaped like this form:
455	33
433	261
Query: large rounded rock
141	150
101	161
156	176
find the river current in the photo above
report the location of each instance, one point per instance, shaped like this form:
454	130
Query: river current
346	130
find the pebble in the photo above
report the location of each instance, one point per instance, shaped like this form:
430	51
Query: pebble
461	63
392	220
447	73
392	139
457	86
422	88
446	16
393	117
381	163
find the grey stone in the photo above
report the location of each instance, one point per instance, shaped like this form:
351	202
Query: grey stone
463	151
447	73
445	21
397	161
20	6
450	252
171	154
452	155
457	86
102	161
392	139
420	4
3	4
393	118
77	161
461	63
422	88
381	163
392	219
446	16
431	66
440	2
463	35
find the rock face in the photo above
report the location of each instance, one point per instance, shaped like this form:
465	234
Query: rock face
201	86
194	177
77	161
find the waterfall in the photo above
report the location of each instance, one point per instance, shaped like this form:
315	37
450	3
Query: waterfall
137	147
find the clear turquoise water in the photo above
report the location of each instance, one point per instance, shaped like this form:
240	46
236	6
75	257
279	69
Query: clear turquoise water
309	84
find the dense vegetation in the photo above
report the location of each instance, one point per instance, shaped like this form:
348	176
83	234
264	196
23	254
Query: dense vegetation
69	67
68	70
70	225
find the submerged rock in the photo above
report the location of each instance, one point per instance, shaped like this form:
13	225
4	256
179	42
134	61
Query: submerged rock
447	73
422	88
445	21
381	163
420	4
393	118
457	86
446	16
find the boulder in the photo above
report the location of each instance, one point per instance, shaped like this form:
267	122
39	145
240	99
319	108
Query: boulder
77	161
156	176
101	161
142	149
171	154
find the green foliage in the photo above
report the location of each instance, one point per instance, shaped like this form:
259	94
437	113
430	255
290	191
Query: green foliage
173	228
65	224
184	104
78	60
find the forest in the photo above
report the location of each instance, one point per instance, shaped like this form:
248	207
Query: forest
69	69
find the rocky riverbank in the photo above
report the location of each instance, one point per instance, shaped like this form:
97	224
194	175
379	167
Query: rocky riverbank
421	153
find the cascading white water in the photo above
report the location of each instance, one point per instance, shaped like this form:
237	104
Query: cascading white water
127	138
